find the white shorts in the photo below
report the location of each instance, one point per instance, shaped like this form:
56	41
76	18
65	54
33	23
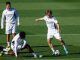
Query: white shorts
53	33
10	28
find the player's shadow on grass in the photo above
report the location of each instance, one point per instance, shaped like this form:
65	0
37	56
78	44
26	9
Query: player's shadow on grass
45	50
73	50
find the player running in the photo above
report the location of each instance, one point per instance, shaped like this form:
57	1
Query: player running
53	30
11	19
19	43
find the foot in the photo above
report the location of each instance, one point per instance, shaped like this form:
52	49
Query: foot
35	56
66	52
8	48
1	53
53	53
40	56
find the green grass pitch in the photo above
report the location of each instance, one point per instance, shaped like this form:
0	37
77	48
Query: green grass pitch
67	13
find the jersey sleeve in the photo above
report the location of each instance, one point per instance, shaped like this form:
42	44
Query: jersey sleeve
2	19
17	17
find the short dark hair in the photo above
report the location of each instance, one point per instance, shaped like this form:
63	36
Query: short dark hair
48	11
8	2
22	34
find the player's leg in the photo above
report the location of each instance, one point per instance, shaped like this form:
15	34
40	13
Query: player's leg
30	50
8	40
13	30
12	50
58	37
8	32
51	45
63	44
49	39
13	34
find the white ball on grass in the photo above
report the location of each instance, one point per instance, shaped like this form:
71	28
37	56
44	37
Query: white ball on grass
0	54
40	56
57	52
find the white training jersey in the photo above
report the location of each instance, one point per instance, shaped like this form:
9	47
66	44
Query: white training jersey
9	16
16	42
50	22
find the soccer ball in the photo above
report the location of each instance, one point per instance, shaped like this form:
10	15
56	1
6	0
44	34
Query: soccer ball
40	56
57	52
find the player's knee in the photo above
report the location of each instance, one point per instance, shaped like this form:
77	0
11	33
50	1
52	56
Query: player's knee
27	46
62	42
49	41
59	39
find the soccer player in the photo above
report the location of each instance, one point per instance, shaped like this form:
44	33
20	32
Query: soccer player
11	19
53	30
19	43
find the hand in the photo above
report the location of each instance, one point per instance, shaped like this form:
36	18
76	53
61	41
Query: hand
36	19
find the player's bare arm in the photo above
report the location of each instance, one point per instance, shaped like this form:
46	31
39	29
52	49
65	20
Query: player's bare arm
58	27
39	19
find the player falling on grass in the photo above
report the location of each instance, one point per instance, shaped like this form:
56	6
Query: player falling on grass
11	19
53	30
19	43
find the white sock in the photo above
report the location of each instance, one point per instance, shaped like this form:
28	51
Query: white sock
65	49
53	50
8	43
34	54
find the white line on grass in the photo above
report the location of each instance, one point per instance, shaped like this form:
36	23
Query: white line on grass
46	35
43	34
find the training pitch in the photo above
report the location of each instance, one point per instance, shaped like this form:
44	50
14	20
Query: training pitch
67	13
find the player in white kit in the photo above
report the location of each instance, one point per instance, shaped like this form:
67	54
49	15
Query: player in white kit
53	30
11	19
19	43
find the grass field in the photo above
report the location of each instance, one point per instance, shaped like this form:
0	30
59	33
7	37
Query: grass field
67	13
